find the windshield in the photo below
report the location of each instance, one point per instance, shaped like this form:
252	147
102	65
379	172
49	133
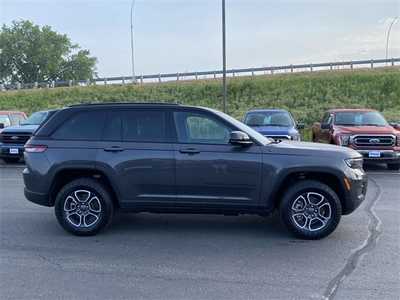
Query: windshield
369	118
36	118
5	120
242	127
269	118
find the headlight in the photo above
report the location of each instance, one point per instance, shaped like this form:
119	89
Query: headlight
398	140
344	140
355	163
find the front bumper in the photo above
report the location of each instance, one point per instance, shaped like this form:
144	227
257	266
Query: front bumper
355	195
388	156
11	150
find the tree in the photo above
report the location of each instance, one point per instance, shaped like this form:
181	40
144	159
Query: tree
29	53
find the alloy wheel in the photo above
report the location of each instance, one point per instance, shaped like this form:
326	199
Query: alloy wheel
82	208
311	211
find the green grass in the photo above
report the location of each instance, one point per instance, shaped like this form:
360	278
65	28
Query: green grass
306	95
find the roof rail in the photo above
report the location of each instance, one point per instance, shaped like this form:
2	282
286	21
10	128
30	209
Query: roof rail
122	103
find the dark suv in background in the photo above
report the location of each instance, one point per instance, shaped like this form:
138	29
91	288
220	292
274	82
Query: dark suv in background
89	160
13	138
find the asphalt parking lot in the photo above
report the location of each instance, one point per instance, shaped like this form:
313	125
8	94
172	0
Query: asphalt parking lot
148	256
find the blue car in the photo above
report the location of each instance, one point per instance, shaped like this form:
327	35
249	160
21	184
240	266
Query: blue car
277	124
13	138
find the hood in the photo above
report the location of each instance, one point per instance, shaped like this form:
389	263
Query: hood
275	130
366	129
20	129
314	149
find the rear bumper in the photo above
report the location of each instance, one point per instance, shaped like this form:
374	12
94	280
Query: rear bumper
34	196
41	199
11	150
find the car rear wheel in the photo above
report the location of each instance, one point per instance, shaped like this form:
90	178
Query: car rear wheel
84	207
394	167
310	210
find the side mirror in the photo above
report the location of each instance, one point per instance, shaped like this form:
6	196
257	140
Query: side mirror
2	126
240	138
393	124
300	125
325	126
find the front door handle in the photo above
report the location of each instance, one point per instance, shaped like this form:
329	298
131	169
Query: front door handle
189	151
114	149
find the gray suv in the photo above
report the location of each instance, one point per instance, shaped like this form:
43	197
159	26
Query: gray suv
90	160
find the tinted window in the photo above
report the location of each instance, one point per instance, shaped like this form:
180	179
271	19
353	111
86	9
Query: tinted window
82	126
113	127
200	128
136	126
142	125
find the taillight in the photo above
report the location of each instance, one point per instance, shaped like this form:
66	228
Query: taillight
35	148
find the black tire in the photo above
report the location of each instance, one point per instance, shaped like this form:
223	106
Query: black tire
11	160
394	167
298	219
98	205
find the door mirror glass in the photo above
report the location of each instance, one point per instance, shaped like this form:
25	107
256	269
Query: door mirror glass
240	138
2	126
300	125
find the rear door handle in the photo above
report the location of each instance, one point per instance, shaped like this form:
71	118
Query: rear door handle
189	151
114	149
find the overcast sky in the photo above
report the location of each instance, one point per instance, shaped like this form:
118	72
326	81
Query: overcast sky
185	35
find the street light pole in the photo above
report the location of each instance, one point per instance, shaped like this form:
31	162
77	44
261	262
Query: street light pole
224	88
132	45
388	36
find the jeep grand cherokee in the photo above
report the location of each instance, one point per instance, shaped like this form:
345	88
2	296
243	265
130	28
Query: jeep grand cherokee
89	160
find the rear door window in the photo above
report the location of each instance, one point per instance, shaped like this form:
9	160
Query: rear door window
144	126
137	126
86	125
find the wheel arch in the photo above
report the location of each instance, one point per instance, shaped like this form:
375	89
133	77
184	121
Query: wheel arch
327	176
65	176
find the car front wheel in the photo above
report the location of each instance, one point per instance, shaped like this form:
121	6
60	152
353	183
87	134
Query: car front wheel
310	210
84	207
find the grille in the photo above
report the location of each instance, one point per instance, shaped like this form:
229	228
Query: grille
374	140
18	138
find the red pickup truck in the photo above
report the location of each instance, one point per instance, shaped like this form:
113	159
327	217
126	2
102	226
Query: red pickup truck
364	130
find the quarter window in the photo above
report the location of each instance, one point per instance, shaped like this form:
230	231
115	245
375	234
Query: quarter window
199	128
82	126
